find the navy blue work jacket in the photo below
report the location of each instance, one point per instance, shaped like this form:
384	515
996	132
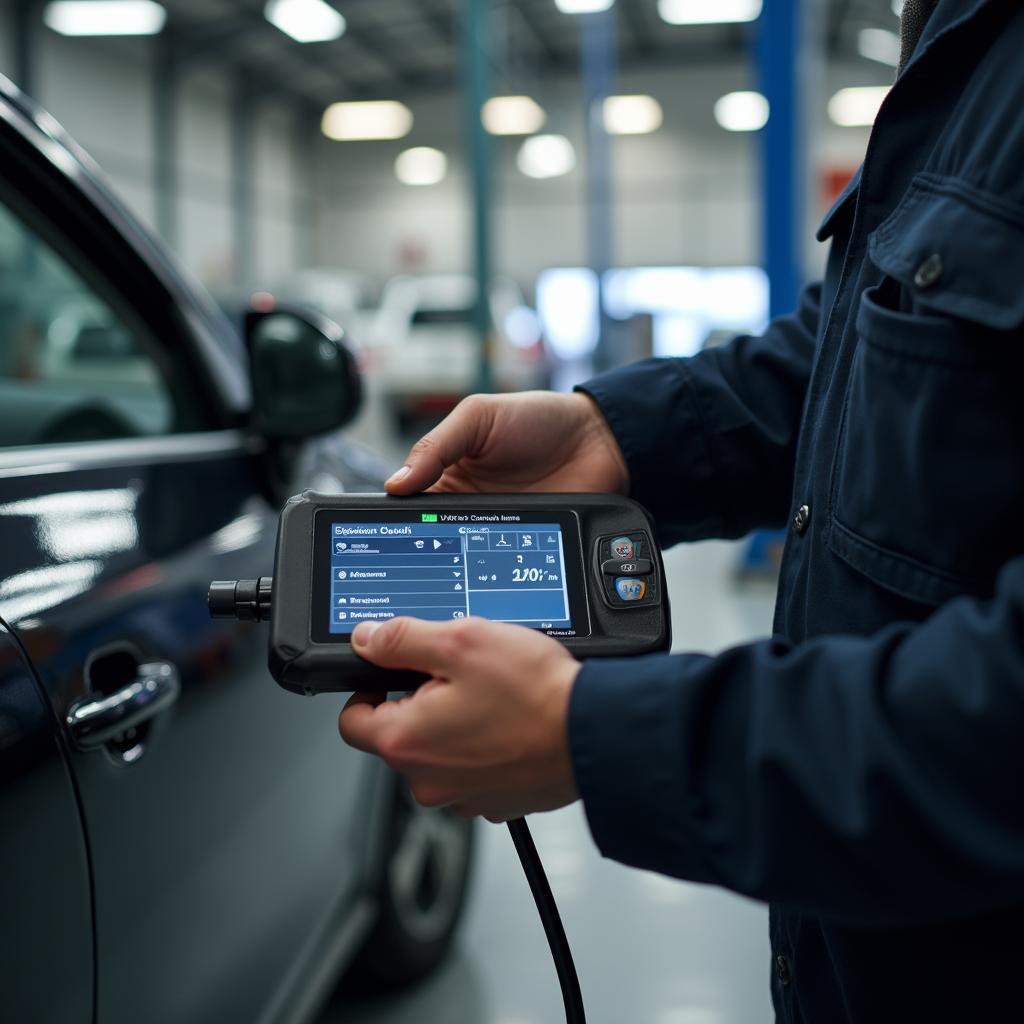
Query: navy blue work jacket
863	770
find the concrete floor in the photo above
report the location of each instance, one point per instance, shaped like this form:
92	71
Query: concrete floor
649	950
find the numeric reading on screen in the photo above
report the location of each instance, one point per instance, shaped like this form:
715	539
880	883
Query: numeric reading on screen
443	571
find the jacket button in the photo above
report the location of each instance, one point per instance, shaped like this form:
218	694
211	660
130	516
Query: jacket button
929	272
802	519
782	971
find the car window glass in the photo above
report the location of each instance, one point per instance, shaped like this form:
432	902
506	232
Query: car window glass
71	368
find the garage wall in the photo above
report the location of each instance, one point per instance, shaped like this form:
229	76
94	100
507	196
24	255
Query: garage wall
684	194
687	194
102	92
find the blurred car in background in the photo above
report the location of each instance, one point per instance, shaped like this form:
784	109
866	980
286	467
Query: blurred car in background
427	346
182	840
347	296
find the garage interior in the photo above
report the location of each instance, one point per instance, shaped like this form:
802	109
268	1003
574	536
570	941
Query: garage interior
688	219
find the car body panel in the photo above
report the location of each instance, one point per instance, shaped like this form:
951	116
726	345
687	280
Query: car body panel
48	970
230	857
232	828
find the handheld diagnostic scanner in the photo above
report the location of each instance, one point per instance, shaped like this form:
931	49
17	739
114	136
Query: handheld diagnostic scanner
582	568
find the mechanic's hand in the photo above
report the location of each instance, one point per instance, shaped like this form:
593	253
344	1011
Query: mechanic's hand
535	441
487	734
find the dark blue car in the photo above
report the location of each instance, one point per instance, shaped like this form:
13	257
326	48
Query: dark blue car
180	840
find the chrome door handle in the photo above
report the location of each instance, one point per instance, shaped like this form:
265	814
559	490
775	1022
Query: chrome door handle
94	721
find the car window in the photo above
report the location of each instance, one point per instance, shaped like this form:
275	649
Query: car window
72	368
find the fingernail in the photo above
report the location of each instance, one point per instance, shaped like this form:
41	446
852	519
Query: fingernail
362	633
398	475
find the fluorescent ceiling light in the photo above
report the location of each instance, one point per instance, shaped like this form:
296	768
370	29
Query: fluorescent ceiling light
421	165
105	17
631	115
306	21
512	115
708	12
742	111
879	44
546	156
374	119
583	6
855	108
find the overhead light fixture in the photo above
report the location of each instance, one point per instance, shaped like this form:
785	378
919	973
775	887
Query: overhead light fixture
306	21
546	156
365	121
708	12
631	115
857	107
742	111
512	115
105	17
583	6
879	44
421	165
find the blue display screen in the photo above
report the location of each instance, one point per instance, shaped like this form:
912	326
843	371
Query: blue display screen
437	570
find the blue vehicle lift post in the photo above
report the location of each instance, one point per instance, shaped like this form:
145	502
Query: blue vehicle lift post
781	37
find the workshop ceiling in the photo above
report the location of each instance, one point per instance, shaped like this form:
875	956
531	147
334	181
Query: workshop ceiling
402	47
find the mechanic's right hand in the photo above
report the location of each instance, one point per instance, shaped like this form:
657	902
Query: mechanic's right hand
534	441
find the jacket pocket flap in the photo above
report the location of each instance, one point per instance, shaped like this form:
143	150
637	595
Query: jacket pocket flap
957	249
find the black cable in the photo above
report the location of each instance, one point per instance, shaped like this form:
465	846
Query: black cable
560	952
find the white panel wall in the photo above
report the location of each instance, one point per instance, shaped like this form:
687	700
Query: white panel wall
275	185
687	194
102	92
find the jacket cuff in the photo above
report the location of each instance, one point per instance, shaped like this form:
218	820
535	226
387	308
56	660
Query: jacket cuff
626	747
654	412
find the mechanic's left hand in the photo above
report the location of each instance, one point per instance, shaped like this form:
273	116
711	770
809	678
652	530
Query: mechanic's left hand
487	734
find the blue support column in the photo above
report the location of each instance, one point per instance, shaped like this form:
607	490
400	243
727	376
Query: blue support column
476	89
781	38
780	42
598	61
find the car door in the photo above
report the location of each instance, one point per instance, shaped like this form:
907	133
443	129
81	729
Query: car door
44	874
223	829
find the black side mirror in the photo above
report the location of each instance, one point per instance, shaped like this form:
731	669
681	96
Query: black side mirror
304	378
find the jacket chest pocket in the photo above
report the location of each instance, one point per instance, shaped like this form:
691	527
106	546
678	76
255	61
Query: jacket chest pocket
927	489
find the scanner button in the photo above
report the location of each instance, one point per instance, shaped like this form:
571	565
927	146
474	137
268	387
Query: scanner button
630	589
637	567
623	548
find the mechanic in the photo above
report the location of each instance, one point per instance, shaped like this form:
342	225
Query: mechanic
862	770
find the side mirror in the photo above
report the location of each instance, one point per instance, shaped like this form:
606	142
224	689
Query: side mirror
304	378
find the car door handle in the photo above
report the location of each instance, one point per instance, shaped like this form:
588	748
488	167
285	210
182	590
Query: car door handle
94	721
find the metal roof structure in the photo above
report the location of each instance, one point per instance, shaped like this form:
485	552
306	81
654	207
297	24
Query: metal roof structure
398	48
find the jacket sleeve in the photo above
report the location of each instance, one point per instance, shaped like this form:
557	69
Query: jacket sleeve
872	780
710	441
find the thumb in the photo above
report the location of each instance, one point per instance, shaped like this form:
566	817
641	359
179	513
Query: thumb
462	432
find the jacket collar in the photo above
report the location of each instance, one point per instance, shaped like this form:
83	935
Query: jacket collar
947	16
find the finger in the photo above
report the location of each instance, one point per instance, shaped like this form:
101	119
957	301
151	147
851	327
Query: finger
361	721
459	434
430	647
